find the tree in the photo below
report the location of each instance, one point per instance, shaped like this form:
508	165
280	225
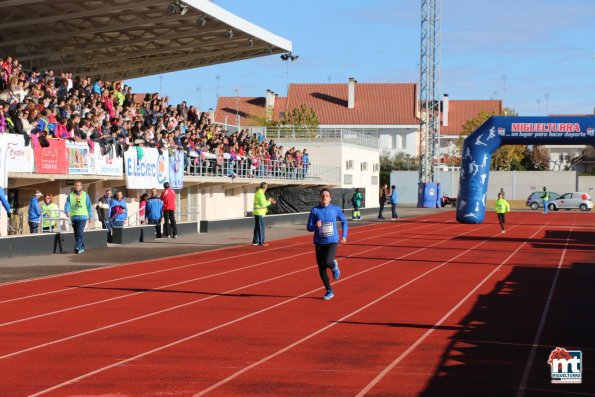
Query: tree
399	161
265	121
302	117
507	157
538	158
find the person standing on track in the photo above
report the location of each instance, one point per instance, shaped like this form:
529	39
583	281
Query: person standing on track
259	209
382	196
546	198
78	208
502	207
168	197
356	200
323	222
394	198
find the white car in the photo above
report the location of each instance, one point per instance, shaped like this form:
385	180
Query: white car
574	200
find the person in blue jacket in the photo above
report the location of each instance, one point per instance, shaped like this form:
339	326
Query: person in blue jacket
4	201
154	211
34	212
394	199
323	222
118	210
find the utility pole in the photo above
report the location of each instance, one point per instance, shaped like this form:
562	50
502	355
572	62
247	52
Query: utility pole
429	89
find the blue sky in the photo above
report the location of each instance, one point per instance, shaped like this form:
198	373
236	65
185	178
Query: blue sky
536	55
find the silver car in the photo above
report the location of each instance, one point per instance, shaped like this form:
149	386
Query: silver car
574	200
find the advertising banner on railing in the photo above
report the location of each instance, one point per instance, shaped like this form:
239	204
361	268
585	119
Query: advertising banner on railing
52	159
108	164
3	170
80	160
176	169
145	168
19	158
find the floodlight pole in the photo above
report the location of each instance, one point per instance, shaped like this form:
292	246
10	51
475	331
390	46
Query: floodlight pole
429	90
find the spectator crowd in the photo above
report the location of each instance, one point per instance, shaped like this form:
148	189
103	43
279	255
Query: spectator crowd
43	106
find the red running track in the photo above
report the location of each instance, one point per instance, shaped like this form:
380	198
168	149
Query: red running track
424	307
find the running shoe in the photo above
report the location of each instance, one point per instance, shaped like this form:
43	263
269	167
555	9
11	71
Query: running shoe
81	250
336	271
329	295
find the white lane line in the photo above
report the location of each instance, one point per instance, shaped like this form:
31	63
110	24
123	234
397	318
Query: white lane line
237	320
176	307
140	274
321	330
546	309
230	247
403	355
165	270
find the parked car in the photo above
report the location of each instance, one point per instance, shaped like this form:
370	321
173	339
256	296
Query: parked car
569	201
535	201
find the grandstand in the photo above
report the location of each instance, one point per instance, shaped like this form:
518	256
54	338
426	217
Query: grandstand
70	115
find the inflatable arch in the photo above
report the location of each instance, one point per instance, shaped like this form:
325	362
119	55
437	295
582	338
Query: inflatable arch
499	130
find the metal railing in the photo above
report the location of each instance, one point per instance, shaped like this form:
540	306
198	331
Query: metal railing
358	137
245	168
338	136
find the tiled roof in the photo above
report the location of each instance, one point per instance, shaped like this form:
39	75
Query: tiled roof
459	111
375	103
247	108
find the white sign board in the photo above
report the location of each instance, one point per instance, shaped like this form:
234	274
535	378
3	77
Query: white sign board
110	164
145	168
19	158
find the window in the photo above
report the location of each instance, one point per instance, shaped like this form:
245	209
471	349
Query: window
375	167
348	179
363	166
349	165
228	192
374	179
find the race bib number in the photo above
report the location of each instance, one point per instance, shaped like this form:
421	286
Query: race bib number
326	230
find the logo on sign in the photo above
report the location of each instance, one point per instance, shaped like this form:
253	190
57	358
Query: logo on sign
566	365
161	169
501	131
590	132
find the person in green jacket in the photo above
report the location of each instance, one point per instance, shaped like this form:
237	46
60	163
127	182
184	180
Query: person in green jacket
356	201
261	204
50	212
546	198
502	207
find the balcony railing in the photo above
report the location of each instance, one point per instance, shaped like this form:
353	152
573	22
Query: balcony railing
245	168
314	135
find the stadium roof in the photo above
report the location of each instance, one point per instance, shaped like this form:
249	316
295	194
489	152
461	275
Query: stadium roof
123	39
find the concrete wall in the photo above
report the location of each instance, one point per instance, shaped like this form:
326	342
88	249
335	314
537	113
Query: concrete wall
327	153
587	184
517	185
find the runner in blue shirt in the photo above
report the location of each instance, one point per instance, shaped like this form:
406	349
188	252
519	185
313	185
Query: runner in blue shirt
323	222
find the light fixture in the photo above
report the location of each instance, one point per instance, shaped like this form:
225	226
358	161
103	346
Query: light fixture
250	42
229	34
201	21
289	56
178	5
270	51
